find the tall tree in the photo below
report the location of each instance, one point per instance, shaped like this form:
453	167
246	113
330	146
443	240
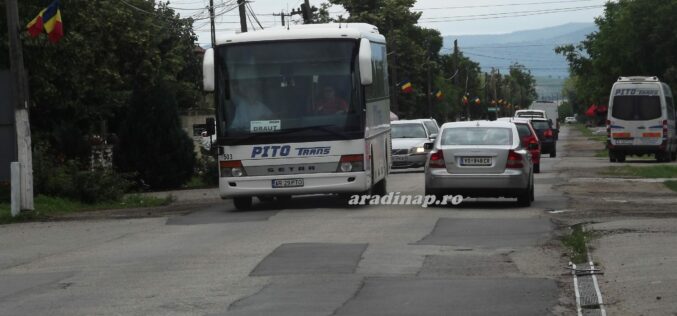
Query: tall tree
85	81
634	38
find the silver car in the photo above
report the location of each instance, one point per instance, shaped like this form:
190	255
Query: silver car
408	139
480	159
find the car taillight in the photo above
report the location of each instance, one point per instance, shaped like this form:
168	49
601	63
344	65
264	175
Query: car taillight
514	160
665	130
231	168
548	133
437	160
350	163
533	143
608	129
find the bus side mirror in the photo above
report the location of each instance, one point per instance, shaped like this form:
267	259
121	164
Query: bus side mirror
366	75
210	127
208	71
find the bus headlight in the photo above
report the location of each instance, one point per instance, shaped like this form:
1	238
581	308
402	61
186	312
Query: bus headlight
346	167
237	172
351	163
231	168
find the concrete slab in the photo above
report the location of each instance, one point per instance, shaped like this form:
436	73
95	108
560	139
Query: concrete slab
489	233
475	296
468	265
298	296
311	258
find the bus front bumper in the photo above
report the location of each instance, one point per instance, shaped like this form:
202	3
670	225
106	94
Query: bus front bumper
320	183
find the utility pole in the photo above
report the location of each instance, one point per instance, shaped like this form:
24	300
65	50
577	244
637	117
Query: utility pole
211	18
19	95
243	15
456	66
430	99
393	68
281	15
305	8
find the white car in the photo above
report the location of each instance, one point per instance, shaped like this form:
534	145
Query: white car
408	139
570	120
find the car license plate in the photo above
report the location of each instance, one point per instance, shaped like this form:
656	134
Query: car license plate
288	183
399	158
623	141
476	161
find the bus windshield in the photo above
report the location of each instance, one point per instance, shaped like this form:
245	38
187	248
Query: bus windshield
292	88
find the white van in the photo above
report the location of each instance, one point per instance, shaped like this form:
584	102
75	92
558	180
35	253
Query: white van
641	119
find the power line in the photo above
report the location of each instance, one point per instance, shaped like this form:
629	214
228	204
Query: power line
507	14
501	5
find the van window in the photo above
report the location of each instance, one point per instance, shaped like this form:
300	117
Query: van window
636	108
540	125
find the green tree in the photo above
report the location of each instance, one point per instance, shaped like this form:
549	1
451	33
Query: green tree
82	84
634	38
152	143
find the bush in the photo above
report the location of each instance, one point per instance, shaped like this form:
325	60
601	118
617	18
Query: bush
70	180
152	142
5	192
208	171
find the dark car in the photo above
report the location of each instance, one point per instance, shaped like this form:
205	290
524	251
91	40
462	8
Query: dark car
547	135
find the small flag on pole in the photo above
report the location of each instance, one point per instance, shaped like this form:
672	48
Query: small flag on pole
478	101
465	99
439	95
48	19
406	86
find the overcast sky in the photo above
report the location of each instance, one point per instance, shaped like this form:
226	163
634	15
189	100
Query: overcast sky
450	17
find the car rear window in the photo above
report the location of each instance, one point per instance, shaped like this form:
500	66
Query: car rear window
636	108
540	124
523	130
407	131
477	136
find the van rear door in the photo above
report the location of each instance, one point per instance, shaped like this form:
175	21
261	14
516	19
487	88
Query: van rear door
636	116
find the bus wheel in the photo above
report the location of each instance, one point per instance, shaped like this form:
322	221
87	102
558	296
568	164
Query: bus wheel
243	203
381	188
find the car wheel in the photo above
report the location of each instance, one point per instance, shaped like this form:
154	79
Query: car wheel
524	198
673	156
620	157
553	153
533	195
537	168
612	156
243	203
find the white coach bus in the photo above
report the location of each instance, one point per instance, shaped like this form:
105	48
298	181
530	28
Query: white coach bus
303	110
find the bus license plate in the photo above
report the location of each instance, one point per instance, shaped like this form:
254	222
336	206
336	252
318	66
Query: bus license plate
476	161
288	183
399	158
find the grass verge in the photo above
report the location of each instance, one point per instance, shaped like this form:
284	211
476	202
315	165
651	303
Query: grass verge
47	207
672	185
576	244
664	171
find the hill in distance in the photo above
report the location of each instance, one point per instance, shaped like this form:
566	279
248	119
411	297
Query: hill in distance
531	48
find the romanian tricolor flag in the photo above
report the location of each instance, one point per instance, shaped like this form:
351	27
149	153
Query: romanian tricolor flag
439	95
465	99
49	19
478	101
406	86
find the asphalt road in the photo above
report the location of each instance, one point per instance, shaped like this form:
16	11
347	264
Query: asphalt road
313	256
